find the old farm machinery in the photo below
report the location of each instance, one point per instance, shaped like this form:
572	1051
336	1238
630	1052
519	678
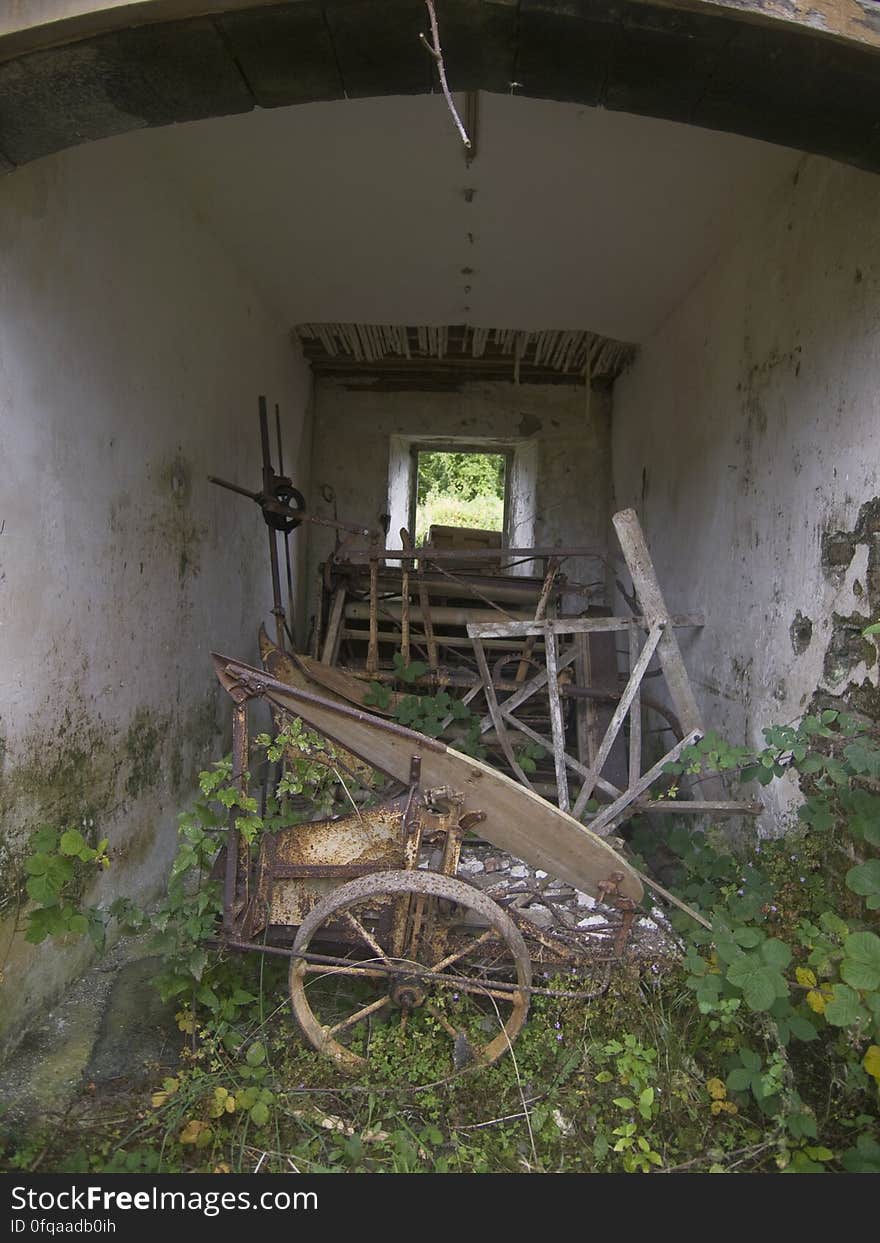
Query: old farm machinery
376	899
373	899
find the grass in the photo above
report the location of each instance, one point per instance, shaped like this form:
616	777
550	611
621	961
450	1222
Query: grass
619	1084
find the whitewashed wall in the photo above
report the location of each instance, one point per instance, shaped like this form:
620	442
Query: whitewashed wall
132	351
747	436
566	437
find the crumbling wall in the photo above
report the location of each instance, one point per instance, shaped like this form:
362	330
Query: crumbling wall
746	435
132	351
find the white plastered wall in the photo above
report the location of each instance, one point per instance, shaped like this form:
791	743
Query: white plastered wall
746	430
132	351
560	440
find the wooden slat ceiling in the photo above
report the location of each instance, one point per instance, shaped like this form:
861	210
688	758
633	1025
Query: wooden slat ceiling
394	356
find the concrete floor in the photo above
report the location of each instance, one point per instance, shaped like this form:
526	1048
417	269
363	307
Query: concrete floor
108	1033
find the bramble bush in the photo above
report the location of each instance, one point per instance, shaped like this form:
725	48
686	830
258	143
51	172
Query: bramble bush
788	979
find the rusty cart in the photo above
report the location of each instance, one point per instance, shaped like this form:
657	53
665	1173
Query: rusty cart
371	899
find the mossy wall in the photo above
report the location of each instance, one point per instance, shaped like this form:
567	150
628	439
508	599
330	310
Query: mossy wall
132	352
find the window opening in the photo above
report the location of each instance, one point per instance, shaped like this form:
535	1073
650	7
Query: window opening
462	488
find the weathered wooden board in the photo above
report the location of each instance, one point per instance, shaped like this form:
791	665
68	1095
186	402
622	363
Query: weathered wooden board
516	819
641	570
312	675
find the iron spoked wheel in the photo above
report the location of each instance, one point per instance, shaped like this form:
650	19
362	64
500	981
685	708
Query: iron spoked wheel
403	982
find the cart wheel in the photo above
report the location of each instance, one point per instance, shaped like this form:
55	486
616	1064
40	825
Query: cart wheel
414	971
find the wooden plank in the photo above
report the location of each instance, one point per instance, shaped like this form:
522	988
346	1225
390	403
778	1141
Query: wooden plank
404	600
632	686
571	625
440	639
373	645
540	614
334	622
517	820
529	688
440	614
556	723
586	745
653	606
715	807
338	682
315	644
497	718
575	765
427	622
608	817
635	716
523	591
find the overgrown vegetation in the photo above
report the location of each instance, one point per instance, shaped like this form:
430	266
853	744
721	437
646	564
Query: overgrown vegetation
460	490
757	1048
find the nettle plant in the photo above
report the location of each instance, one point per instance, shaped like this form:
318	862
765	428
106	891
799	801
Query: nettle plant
792	942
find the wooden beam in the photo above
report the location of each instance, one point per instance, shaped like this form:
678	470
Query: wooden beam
331	641
653	606
404	602
556	724
635	716
361	556
632	686
607	818
529	688
373	647
571	625
540	614
497	719
575	765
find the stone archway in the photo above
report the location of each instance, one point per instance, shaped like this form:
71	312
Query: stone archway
805	75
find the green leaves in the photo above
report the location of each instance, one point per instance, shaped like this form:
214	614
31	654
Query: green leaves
411	672
844	1009
864	814
428	714
378	696
861	964
864	1158
761	984
55	881
863	757
757	974
748	1075
256	1054
259	1113
776	953
73	843
529	755
865	880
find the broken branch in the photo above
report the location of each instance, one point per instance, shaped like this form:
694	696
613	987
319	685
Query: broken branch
433	48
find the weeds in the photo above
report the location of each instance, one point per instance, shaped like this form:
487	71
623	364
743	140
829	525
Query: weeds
760	1051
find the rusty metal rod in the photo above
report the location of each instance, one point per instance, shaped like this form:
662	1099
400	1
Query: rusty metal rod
451	980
